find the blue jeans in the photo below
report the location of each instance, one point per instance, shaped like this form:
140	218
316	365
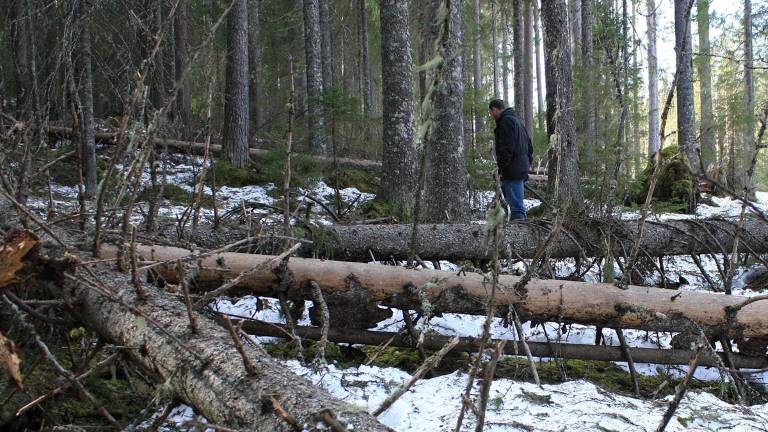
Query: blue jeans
514	191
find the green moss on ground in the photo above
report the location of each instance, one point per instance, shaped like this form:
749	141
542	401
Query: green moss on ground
674	185
176	195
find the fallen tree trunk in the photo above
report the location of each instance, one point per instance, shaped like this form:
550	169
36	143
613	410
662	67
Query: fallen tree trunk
199	148
578	238
205	369
589	303
538	349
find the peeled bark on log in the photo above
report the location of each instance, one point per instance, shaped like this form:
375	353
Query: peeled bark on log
578	237
221	390
555	300
199	148
538	349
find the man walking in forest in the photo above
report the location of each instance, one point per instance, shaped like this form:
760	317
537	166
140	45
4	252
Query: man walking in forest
514	156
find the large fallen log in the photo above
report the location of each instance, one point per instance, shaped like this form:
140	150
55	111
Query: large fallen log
555	300
199	148
434	342
204	368
578	238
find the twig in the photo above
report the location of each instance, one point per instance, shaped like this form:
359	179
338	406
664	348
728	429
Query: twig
329	418
161	419
490	370
680	391
285	415
630	362
291	322
330	212
317	295
242	276
430	363
140	294
524	342
185	290
249	368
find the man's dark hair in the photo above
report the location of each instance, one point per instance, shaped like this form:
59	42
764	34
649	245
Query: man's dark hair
497	103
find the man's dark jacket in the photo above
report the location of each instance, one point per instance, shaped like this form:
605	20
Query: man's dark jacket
514	151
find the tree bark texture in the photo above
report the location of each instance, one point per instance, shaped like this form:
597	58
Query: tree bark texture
564	152
518	53
236	110
653	309
316	124
494	50
446	198
365	59
574	27
528	63
157	71
707	126
587	61
686	120
181	62
505	58
747	140
399	172
222	390
539	72
256	70
477	74
85	91
21	58
654	139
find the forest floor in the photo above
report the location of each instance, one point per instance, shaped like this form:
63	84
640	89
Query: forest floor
576	395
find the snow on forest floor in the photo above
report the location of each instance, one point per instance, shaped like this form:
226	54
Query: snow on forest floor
433	403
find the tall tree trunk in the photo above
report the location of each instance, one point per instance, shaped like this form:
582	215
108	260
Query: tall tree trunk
505	52
315	119
518	51
494	51
528	63
157	93
563	153
686	121
654	139
256	69
85	91
539	73
635	101
707	126
748	134
365	60
399	174
181	62
445	195
21	59
477	79
574	21
236	117
326	44
587	59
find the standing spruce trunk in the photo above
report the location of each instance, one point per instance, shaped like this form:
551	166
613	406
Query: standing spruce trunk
477	75
318	142
654	139
155	8
587	59
399	174
505	52
686	121
365	61
445	195
574	20
537	60
518	48
748	123
235	142
494	51
326	47
181	62
85	91
256	84
563	153
21	59
528	63
703	63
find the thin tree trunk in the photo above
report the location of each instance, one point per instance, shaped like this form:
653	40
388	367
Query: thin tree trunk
564	183
256	69
654	139
236	118
686	121
316	124
748	135
505	52
528	63
494	50
21	59
539	73
446	196
155	8
326	42
366	60
518	51
587	59
85	91
707	126
574	21
181	62
477	74
399	173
